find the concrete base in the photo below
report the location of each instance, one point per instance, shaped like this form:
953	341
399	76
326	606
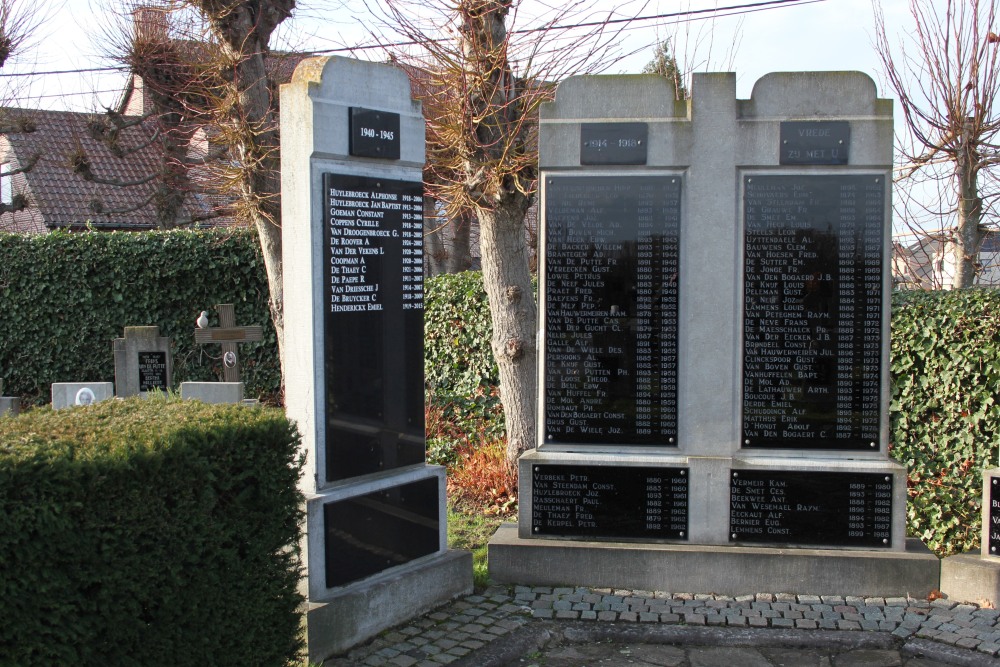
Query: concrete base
361	611
971	578
70	394
712	569
213	392
9	405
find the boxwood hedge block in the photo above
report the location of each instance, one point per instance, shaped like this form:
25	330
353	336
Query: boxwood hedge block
149	533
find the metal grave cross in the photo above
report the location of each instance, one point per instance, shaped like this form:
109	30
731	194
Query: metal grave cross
228	335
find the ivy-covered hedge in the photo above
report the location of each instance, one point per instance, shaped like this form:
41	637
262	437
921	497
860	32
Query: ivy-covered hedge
946	409
149	533
65	297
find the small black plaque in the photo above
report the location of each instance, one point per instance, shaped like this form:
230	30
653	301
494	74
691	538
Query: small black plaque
814	508
374	134
994	516
373	323
609	502
815	142
612	263
813	311
371	533
153	371
613	143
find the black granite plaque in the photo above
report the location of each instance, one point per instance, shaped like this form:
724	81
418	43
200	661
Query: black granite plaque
615	502
813	508
611	289
371	533
374	134
994	516
613	143
815	142
812	318
373	324
153	371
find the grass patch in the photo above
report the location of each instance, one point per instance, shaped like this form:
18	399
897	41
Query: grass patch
470	528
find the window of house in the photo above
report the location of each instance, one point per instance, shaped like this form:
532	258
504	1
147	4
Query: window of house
6	184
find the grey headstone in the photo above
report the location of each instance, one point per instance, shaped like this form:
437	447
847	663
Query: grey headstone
143	362
213	392
73	394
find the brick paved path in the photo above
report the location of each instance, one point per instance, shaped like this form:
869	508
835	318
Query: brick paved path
490	628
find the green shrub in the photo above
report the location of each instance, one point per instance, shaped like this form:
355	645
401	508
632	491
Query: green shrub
64	298
147	533
945	410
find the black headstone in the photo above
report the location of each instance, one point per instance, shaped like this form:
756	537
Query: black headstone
611	288
813	508
370	533
994	516
153	371
373	323
597	502
812	319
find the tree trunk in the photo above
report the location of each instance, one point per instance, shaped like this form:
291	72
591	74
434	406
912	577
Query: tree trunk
460	256
507	280
964	246
434	251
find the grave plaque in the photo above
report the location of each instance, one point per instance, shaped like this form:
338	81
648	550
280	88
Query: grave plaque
994	516
609	501
812	321
613	143
153	371
611	286
373	282
810	508
370	533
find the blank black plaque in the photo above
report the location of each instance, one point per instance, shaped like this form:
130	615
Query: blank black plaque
810	508
153	371
609	502
994	516
611	292
373	324
812	315
371	533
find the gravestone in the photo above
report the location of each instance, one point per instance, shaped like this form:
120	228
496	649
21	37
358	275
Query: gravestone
352	205
9	405
143	362
75	394
975	577
227	335
714	344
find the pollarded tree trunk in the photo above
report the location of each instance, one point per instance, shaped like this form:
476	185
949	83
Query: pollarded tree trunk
968	238
507	279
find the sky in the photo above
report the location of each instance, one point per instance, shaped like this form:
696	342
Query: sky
819	35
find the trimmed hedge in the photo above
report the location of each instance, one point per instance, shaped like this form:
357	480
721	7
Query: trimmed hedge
946	409
149	533
66	296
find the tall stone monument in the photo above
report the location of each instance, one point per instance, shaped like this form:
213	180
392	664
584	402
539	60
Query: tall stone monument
714	346
352	153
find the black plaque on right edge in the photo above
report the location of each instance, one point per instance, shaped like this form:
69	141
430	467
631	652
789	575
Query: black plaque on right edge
812	319
994	516
816	508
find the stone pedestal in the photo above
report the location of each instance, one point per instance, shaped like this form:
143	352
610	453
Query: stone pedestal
213	392
975	577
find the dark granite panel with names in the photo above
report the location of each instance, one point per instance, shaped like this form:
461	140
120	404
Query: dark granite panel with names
816	508
812	316
994	516
153	371
612	264
613	502
371	533
373	324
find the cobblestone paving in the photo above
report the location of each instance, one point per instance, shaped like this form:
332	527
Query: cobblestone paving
457	630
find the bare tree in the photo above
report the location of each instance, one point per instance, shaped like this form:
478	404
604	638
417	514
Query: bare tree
946	73
481	90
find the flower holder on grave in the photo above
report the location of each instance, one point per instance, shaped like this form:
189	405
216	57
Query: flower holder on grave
352	206
713	383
